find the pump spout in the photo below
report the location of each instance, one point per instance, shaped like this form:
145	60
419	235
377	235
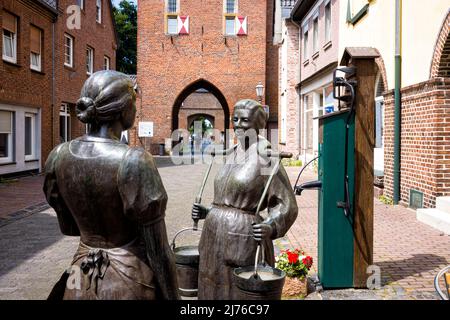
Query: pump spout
310	185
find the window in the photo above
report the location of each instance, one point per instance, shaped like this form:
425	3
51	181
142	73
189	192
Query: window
99	11
106	63
172	16
9	37
328	102
172	6
80	3
357	5
35	48
6	136
68	50
89	60
230	6
379	120
308	124
64	123
305	45
30	136
328	22
230	26
172	24
230	12
316	35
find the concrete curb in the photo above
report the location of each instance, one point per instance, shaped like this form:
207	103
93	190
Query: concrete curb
23	213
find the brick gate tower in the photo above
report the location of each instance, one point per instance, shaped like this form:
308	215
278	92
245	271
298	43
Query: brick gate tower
223	47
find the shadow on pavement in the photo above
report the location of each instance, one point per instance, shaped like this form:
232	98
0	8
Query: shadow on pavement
21	240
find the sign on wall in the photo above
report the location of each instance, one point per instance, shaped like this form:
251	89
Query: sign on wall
145	129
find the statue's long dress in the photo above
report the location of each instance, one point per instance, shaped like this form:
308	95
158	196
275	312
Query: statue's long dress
105	191
227	241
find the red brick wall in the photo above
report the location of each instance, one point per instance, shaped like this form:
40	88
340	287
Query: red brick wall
425	141
444	63
69	81
440	65
167	65
19	85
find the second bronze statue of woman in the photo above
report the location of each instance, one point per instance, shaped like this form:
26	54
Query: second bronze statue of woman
112	196
231	228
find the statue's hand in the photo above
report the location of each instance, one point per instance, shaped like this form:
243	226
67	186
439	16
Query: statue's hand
199	211
262	231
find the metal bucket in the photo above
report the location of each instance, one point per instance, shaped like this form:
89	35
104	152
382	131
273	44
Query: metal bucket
259	282
186	260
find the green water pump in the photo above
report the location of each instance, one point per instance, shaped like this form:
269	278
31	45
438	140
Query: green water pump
345	216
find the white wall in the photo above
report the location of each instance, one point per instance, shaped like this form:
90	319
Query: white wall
19	163
421	24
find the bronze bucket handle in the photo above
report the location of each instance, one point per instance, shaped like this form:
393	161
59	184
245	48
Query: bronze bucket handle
181	231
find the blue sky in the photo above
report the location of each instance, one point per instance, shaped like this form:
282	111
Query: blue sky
116	2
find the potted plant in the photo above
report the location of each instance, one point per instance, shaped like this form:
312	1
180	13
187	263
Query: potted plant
296	265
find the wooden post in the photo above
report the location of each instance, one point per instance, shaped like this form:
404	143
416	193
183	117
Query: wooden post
366	70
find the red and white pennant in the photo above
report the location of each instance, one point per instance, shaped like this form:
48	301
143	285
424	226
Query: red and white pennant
183	24
241	25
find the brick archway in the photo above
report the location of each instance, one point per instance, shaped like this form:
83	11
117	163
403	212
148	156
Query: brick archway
440	63
382	70
196	85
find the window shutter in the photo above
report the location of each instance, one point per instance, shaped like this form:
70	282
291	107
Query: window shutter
5	122
241	25
9	22
183	24
378	124
35	40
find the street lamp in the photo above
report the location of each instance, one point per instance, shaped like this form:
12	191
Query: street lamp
259	91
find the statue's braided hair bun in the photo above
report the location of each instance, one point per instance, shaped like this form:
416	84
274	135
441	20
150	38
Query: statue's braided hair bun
86	110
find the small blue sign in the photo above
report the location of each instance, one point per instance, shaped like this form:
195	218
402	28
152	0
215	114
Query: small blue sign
329	109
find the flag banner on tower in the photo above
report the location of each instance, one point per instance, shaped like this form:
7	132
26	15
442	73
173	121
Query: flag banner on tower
183	24
241	25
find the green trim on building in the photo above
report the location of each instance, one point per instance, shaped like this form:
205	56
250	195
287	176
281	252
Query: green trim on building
361	13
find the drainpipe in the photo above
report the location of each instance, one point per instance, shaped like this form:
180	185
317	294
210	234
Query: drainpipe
300	127
397	97
53	84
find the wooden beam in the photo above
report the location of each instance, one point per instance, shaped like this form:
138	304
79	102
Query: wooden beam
366	70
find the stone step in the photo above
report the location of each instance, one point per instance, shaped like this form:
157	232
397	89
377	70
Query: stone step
435	218
443	204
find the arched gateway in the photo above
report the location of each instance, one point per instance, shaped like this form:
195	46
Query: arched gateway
208	102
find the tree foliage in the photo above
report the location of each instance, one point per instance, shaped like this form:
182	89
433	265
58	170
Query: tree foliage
126	24
206	125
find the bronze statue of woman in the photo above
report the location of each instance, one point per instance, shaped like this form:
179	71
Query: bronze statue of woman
231	228
111	196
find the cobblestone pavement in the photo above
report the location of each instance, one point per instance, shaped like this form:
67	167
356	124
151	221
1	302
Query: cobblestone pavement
16	194
408	252
33	253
